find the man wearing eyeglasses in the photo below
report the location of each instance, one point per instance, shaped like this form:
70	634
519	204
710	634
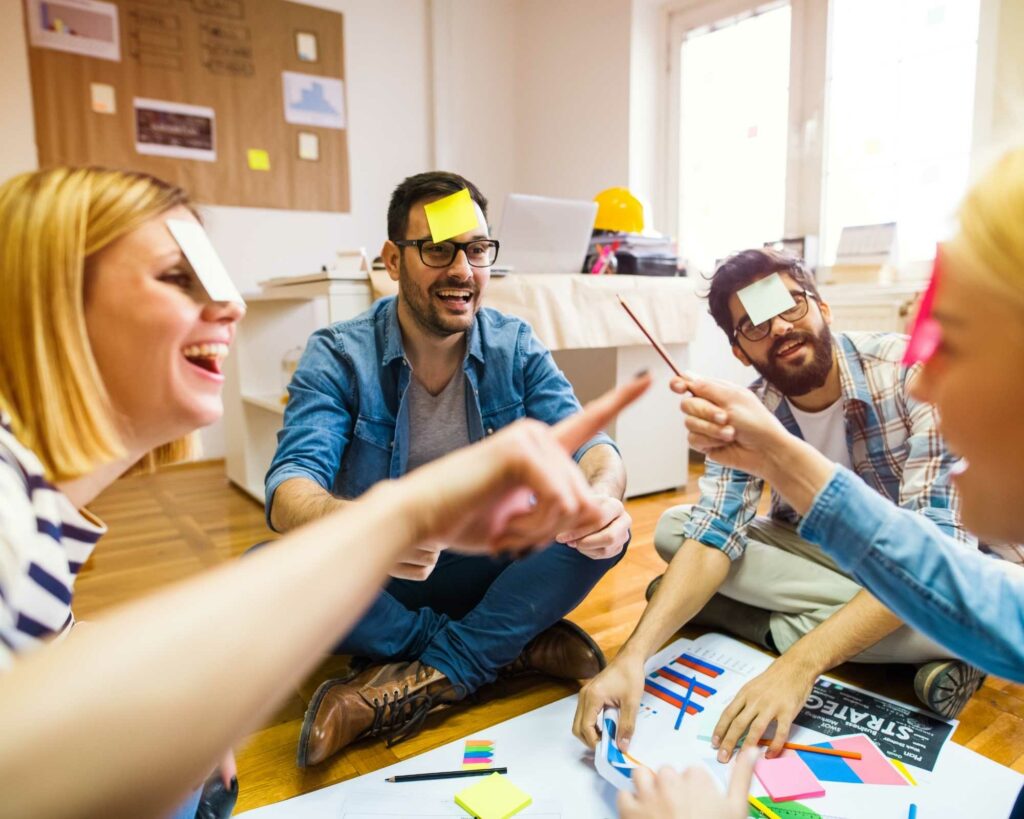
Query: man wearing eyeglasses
729	570
413	378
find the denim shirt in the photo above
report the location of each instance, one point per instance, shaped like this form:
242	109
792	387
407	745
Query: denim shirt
969	602
346	425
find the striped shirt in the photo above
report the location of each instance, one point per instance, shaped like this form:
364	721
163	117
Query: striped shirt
44	541
893	441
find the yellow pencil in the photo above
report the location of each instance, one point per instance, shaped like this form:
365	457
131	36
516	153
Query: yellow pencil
763	808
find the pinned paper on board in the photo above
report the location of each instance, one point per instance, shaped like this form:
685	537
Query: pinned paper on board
309	146
766	298
202	256
259	160
786	778
493	798
451	216
926	332
103	97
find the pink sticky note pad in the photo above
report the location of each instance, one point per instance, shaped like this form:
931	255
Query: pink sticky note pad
786	778
873	767
926	333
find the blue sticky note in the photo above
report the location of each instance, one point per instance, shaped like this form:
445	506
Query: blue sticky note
765	298
829	768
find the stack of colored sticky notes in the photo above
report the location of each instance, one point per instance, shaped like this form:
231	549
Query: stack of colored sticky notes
479	754
493	798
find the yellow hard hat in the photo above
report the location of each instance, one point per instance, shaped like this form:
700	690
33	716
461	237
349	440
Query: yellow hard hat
619	210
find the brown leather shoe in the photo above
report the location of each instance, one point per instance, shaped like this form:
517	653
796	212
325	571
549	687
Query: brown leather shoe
385	700
564	651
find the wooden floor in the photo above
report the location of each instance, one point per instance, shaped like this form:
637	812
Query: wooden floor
169	526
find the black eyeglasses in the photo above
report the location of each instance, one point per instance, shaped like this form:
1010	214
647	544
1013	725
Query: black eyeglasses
756	332
479	252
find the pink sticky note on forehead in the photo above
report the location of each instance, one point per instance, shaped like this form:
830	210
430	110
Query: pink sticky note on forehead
926	332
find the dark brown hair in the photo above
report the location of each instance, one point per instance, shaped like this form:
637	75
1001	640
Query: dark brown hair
744	268
431	184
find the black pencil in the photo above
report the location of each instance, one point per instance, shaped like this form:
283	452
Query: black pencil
445	775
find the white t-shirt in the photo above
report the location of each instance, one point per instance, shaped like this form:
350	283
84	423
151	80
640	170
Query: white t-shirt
825	430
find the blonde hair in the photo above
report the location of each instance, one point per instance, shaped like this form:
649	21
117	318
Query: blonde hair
990	242
52	224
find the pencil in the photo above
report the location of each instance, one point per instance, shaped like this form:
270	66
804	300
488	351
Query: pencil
762	807
793	746
650	338
444	775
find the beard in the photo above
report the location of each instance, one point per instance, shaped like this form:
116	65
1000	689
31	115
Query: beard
810	376
424	309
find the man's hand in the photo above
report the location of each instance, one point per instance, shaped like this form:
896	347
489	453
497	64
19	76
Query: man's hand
419	563
516	489
729	423
609	535
692	794
775	695
620	686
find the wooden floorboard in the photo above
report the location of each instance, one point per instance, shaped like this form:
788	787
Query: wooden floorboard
168	526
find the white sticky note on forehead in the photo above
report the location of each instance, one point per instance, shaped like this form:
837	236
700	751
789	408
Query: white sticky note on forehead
765	298
201	254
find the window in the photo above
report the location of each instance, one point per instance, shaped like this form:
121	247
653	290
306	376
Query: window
899	109
733	124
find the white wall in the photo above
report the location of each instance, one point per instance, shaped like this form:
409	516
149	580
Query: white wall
572	96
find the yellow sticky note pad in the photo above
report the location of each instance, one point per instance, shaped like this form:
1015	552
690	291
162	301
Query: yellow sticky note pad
495	797
259	160
451	216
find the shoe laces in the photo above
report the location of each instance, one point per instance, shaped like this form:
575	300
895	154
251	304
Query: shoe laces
401	715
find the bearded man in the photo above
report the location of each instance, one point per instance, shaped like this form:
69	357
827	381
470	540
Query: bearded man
846	394
411	379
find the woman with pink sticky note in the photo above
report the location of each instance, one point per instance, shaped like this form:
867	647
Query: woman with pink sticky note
967	357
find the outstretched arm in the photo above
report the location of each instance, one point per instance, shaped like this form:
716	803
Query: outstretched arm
121	720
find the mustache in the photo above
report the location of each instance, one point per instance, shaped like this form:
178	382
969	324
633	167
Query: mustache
788	339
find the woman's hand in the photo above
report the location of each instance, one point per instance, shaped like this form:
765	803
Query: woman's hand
516	489
692	794
730	424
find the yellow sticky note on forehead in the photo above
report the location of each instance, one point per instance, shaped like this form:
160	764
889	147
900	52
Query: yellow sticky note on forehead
765	298
451	216
493	798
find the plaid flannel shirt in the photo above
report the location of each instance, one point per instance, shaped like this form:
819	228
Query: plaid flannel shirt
893	441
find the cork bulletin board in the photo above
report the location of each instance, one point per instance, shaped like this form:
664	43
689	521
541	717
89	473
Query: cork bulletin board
241	102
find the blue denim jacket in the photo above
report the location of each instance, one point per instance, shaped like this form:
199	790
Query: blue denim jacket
346	425
969	602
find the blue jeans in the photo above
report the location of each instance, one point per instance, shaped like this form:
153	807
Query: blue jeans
474	615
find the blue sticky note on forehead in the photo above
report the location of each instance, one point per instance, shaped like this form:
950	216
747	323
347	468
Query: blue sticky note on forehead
765	298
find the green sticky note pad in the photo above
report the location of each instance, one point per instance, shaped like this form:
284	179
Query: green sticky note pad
784	810
451	216
765	298
493	798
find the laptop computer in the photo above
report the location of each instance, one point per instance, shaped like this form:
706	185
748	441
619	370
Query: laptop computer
540	234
